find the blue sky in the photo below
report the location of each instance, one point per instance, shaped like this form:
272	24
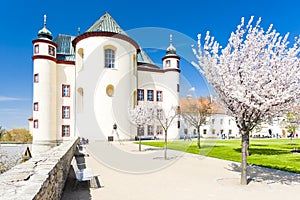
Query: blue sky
21	20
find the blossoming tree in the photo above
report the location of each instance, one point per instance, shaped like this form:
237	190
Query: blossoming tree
256	76
141	115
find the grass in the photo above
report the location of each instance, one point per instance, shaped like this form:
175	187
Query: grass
272	153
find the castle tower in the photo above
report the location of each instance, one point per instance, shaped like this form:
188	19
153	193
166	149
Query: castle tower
44	87
171	63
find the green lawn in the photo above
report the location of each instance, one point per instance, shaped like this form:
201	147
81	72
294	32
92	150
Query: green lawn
273	153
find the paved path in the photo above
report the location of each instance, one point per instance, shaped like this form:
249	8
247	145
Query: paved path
124	173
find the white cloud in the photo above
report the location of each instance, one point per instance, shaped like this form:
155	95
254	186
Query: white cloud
4	98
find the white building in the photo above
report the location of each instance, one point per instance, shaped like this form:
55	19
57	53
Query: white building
84	84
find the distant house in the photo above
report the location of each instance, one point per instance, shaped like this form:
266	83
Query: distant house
218	123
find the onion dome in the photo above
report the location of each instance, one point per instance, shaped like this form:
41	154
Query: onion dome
44	32
171	49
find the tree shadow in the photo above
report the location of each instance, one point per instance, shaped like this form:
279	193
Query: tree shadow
267	175
264	151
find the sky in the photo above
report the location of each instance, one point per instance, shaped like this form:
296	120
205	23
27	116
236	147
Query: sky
21	20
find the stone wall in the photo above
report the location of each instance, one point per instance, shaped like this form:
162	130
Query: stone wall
41	177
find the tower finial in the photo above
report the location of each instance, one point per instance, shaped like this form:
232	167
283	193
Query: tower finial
45	20
171	38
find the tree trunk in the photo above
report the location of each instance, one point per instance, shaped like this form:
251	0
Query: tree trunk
165	145
248	144
198	143
245	139
140	143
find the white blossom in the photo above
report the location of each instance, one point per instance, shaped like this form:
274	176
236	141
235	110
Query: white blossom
256	76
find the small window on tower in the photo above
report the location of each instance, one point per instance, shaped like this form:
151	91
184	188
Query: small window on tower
178	88
109	58
51	50
178	64
65	90
36	48
65	130
36	78
36	106
168	63
35	123
66	112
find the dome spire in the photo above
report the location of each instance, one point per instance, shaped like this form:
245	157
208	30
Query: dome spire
45	20
171	49
44	32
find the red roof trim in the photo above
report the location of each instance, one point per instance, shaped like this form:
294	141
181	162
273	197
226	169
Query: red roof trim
44	57
66	62
158	70
105	34
44	41
171	56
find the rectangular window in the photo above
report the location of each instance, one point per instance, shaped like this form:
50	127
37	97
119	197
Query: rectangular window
212	121
140	131
160	114
178	64
150	95
140	96
178	124
229	122
159	130
35	123
159	96
168	63
214	131
178	88
51	50
150	130
36	78
65	90
66	112
221	121
65	131
109	58
36	106
204	131
36	48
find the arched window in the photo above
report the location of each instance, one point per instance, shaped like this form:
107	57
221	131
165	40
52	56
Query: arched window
109	58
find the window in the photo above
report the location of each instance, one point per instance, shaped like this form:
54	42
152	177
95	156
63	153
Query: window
230	132
110	90
229	122
168	63
159	96
150	95
36	106
150	130
204	131
140	95
36	78
214	131
140	131
178	124
66	112
160	114
35	123
51	50
221	121
178	64
159	130
36	48
178	88
212	121
109	58
65	131
65	90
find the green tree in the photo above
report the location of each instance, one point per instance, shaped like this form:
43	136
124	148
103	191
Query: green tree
292	123
2	132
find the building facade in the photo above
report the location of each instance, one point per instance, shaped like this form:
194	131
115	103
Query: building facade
86	83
